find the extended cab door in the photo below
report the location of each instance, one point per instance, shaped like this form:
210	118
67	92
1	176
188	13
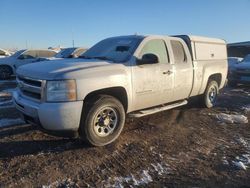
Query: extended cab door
152	83
183	70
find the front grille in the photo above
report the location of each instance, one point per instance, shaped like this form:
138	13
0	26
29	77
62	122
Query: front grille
243	72
36	83
29	87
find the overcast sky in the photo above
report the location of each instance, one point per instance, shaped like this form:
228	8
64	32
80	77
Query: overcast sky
44	23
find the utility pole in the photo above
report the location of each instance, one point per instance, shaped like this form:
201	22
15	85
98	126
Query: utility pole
72	35
26	43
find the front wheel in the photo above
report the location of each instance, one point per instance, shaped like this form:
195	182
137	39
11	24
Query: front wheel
103	120
211	94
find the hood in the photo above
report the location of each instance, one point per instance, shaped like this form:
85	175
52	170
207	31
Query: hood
9	60
243	65
59	69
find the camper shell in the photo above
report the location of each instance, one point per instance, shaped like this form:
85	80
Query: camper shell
204	48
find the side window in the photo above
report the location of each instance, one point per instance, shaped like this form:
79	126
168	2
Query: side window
2	52
179	52
158	48
28	55
25	56
79	52
46	53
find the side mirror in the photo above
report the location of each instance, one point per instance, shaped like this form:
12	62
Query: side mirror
148	59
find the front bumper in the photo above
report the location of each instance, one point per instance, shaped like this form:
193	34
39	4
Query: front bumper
52	117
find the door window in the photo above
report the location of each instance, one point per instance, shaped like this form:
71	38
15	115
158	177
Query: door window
179	53
158	48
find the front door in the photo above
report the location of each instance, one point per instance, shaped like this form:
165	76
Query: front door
153	83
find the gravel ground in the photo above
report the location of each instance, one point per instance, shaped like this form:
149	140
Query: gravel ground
183	147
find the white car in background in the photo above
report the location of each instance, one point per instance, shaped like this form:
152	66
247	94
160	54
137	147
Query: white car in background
4	53
9	64
73	52
67	53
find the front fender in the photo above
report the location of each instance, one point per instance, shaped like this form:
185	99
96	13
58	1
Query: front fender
102	81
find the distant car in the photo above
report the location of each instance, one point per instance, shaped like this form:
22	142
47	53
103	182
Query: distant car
239	73
4	53
70	52
9	64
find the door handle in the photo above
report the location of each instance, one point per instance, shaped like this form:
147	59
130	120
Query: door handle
168	72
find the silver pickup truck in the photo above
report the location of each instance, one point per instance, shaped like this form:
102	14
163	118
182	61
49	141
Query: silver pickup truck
135	75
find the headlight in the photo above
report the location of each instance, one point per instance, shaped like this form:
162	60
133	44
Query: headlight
59	91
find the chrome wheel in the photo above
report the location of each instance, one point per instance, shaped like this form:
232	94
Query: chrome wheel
212	94
105	121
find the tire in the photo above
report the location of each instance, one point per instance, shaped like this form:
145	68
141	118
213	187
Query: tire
211	93
102	120
5	72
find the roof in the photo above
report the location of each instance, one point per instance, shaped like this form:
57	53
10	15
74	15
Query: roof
206	39
246	44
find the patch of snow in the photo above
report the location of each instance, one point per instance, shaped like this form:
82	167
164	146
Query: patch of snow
138	179
225	162
143	179
9	122
146	178
159	168
231	118
240	165
246	108
245	158
242	162
64	183
243	142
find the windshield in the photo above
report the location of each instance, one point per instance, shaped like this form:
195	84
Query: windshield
65	53
116	49
18	53
247	59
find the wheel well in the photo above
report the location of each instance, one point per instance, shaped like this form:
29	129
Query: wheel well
8	67
216	77
117	92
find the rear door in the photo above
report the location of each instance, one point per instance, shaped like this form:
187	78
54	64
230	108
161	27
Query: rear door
183	70
152	85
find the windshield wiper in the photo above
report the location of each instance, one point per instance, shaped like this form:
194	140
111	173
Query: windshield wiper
86	57
103	58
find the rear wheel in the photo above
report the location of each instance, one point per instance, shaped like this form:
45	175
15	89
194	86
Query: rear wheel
211	93
103	120
5	72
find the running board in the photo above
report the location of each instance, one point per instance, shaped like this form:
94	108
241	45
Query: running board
150	111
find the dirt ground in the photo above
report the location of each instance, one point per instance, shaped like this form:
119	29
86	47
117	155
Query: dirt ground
183	147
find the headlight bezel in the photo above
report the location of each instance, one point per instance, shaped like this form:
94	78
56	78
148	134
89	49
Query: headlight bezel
53	95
